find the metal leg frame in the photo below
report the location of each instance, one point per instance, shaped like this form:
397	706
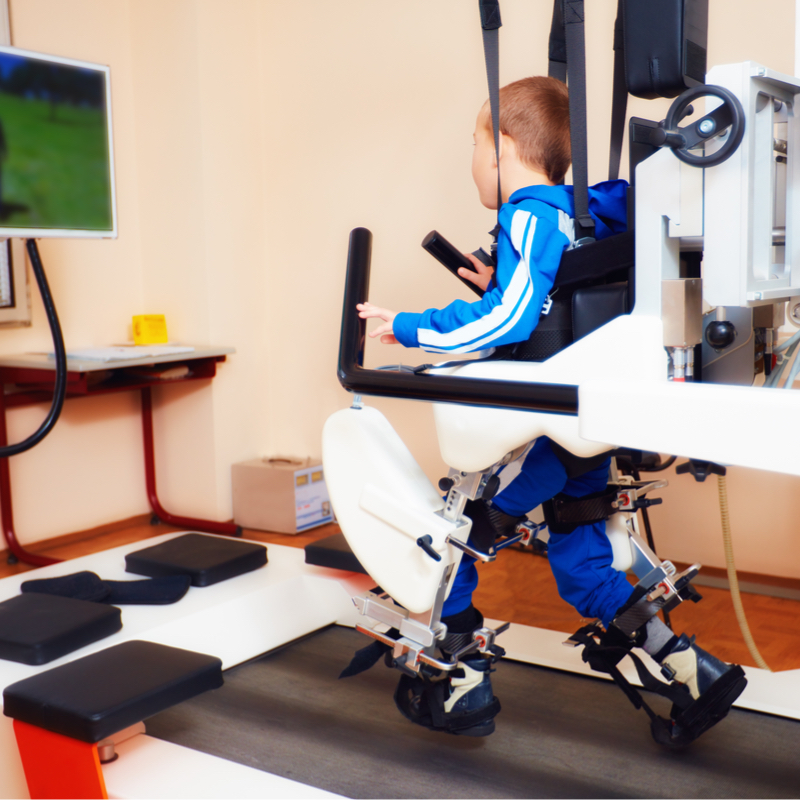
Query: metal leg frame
419	633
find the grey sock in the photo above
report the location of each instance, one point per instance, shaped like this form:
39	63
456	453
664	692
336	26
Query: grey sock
657	638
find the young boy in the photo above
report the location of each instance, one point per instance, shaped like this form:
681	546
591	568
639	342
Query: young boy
535	227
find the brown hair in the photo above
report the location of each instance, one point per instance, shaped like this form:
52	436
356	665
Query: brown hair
534	112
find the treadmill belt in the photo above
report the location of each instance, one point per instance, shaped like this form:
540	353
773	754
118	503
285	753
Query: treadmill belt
558	735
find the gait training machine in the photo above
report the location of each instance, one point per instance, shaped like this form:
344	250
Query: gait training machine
640	350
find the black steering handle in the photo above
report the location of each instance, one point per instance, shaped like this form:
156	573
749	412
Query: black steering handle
728	115
548	397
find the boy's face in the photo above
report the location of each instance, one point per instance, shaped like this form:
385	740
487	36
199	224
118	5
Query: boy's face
484	163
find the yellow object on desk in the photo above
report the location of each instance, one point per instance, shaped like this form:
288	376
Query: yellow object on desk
150	329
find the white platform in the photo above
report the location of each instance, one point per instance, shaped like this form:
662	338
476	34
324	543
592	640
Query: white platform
244	617
235	620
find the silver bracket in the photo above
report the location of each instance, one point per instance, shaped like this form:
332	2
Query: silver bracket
478	555
525	533
386	611
627	497
415	646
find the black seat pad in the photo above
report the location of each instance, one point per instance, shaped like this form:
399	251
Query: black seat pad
93	697
38	628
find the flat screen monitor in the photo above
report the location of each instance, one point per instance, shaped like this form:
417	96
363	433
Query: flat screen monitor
56	152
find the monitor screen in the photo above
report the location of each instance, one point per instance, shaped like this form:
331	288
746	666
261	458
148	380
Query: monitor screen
56	165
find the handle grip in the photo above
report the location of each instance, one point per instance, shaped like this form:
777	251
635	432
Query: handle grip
450	257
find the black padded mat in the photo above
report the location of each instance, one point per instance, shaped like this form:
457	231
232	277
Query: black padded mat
333	552
39	628
95	696
558	735
206	559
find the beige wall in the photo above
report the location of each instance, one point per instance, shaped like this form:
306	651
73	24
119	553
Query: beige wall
251	136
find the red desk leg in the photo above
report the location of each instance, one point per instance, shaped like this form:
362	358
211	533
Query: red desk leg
17	552
58	766
228	528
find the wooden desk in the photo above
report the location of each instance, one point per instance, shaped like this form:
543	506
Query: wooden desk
30	378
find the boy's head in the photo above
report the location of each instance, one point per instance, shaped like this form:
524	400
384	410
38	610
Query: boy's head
534	113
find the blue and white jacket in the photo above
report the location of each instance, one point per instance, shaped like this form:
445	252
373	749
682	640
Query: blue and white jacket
536	226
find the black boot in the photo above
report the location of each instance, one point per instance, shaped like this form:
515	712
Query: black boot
460	701
712	684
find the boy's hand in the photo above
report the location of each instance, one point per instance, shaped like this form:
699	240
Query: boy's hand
480	278
367	311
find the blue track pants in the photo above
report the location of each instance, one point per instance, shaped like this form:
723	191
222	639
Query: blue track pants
581	560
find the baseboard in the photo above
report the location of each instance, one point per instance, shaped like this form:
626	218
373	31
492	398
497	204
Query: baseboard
82	536
750	582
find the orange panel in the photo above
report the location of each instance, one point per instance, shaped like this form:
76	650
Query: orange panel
57	766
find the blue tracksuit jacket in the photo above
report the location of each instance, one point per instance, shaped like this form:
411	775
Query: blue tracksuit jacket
536	226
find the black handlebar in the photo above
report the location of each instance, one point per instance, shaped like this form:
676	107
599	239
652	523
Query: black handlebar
449	257
548	397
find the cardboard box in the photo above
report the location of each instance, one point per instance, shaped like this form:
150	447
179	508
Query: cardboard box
285	495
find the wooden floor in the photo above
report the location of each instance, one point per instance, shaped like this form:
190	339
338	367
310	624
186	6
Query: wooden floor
519	587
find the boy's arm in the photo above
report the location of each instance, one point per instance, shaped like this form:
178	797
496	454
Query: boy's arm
530	251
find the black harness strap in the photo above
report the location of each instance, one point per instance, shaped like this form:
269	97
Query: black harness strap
619	101
557	51
576	78
490	26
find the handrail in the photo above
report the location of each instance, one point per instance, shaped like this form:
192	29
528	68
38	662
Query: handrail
552	398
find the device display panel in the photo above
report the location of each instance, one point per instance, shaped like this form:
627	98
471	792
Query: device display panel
56	151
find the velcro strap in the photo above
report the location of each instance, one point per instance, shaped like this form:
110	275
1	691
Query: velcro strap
564	513
604	658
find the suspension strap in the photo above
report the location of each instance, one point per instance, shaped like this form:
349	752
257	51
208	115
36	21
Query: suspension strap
619	100
576	78
490	25
557	50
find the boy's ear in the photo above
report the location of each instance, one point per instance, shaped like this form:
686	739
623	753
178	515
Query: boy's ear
508	147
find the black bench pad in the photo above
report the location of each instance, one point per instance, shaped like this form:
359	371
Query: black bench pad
206	559
38	628
333	552
96	696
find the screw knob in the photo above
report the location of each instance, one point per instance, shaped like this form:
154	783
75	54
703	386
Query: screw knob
720	333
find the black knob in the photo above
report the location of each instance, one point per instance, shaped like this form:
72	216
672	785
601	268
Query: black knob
720	333
660	137
491	487
446	484
425	543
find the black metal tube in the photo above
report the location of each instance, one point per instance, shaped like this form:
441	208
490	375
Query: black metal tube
548	397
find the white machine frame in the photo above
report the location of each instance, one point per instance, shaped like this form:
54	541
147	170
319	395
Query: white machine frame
745	215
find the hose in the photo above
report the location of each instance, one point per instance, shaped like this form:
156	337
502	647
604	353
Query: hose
733	579
60	389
